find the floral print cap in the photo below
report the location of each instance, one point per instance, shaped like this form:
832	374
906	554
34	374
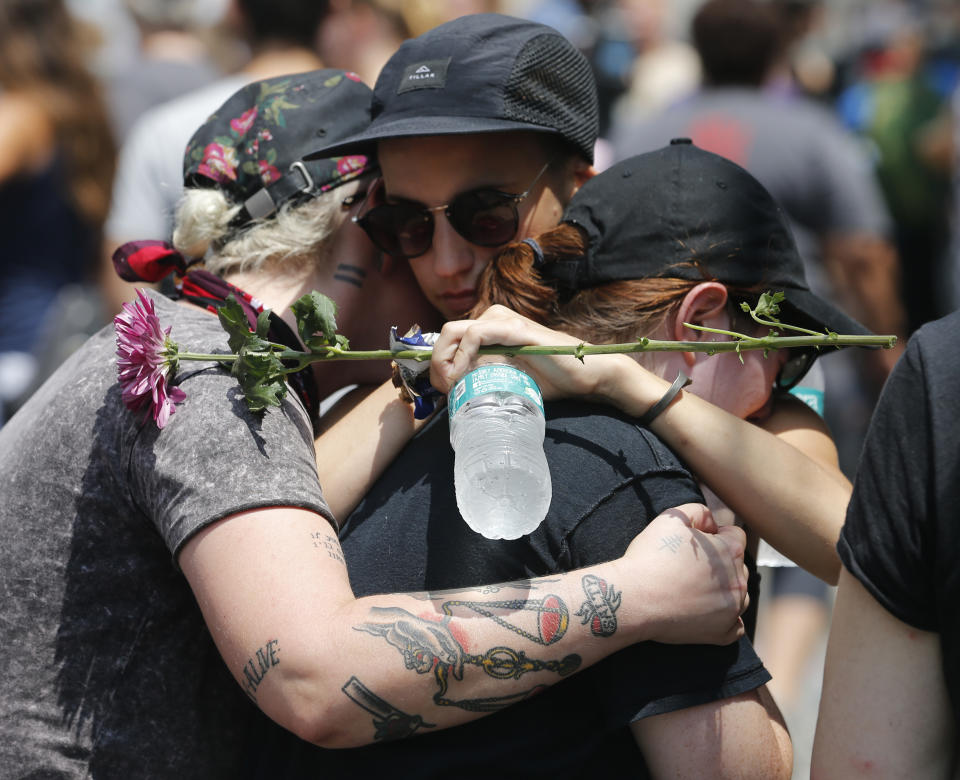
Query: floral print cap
253	147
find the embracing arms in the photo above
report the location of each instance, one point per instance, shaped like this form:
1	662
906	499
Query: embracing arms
781	481
340	671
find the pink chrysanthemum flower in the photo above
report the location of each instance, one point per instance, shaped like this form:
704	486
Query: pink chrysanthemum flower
146	360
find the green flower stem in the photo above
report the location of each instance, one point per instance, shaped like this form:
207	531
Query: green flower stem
740	343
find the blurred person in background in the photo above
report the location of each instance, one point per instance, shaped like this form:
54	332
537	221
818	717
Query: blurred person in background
171	59
665	69
282	36
898	100
57	159
361	35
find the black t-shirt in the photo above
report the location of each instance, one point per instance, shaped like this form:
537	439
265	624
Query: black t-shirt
901	538
610	478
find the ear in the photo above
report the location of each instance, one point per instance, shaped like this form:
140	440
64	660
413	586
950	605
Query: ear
704	305
582	172
576	172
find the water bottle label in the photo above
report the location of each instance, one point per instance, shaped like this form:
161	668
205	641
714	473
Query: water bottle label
493	378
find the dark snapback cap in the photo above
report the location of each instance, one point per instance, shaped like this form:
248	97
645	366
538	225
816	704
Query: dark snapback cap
482	73
253	147
686	213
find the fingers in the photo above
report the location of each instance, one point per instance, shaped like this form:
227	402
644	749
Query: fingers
696	516
458	345
734	538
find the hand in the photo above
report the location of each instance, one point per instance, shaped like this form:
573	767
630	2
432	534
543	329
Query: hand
694	581
558	376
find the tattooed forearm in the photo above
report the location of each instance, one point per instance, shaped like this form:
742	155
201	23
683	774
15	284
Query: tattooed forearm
428	646
543	621
256	668
328	542
350	274
599	610
485	590
389	722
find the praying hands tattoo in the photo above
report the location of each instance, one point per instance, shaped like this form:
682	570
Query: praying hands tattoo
428	646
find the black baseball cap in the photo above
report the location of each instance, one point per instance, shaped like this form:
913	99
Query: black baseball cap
482	73
685	213
253	146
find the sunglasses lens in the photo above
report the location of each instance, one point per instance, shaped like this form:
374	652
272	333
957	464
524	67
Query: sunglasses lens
485	217
399	229
794	369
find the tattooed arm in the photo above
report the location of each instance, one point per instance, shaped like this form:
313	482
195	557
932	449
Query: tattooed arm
340	671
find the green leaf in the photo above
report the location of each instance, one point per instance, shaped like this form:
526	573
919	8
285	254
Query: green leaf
260	393
234	322
316	319
261	375
263	323
332	81
768	306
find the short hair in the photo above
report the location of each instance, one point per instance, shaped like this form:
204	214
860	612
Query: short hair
738	41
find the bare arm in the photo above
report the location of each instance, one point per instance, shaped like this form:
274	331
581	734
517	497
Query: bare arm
341	671
794	501
739	738
359	441
884	712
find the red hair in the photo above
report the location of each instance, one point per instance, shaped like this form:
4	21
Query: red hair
612	313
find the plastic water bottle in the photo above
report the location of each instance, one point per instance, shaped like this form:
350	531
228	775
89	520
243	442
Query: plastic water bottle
501	476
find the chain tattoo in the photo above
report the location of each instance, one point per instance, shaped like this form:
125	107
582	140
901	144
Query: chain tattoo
428	646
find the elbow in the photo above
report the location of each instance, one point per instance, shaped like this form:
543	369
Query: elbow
311	710
328	719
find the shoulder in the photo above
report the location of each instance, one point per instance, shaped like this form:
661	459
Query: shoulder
592	434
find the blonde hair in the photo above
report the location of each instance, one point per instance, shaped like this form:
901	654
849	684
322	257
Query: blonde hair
295	236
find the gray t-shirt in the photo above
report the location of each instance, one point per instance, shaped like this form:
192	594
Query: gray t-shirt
108	668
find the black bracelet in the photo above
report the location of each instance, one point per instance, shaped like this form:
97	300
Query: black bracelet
651	414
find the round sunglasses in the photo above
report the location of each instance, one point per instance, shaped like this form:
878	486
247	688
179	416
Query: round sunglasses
484	216
794	368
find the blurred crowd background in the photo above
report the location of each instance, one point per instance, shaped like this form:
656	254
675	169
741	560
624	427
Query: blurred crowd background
847	110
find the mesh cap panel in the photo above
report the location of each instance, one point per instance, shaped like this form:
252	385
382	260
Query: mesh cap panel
552	85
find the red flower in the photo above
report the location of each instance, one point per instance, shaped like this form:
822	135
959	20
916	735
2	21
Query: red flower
348	165
268	173
146	357
219	163
242	123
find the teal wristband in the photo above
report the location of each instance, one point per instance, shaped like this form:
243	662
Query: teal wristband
653	412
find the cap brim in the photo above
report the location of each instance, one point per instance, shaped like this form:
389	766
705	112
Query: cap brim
823	314
408	127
